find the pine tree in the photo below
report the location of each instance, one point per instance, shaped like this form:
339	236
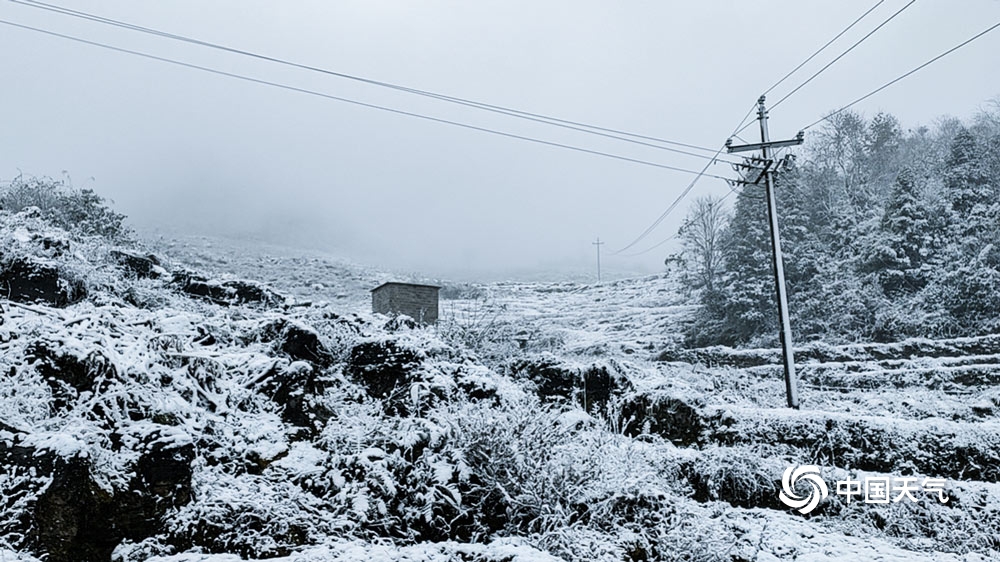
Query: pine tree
749	300
824	296
905	246
967	287
883	142
885	235
966	177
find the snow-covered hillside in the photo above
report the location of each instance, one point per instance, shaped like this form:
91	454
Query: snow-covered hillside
216	402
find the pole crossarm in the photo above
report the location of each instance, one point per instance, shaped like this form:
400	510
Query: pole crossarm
730	147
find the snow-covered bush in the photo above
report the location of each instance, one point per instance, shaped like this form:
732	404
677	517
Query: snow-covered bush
76	210
254	516
184	428
21	487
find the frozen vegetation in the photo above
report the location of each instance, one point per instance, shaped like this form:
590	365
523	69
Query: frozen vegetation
887	234
215	403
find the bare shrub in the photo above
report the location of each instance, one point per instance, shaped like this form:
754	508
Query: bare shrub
479	325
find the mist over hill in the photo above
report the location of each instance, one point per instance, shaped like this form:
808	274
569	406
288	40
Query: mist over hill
203	399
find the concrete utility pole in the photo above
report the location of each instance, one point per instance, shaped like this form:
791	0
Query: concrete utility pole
765	146
598	244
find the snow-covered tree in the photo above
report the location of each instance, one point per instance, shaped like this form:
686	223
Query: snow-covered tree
702	236
905	245
967	177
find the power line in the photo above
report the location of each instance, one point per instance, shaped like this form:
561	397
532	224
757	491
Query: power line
821	49
743	122
669	210
841	55
742	125
361	103
676	234
536	117
845	107
680	197
732	191
739	128
893	81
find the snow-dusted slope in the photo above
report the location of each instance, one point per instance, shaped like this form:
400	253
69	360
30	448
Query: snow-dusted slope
181	413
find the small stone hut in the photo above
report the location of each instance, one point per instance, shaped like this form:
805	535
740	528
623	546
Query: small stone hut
419	302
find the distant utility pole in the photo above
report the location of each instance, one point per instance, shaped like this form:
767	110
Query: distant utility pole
598	244
765	145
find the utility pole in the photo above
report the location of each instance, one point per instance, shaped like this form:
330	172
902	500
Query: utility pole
598	244
765	146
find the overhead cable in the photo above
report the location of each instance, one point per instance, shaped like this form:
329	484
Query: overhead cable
823	48
843	54
607	132
897	79
361	103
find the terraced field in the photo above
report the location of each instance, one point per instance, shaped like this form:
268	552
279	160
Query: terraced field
919	408
187	412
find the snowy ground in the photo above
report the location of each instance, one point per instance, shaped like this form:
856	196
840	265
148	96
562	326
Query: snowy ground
200	366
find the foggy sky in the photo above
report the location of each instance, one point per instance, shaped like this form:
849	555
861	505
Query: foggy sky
199	153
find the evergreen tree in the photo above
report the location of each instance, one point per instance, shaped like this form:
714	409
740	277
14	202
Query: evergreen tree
740	305
883	142
967	287
749	285
966	176
885	235
905	246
